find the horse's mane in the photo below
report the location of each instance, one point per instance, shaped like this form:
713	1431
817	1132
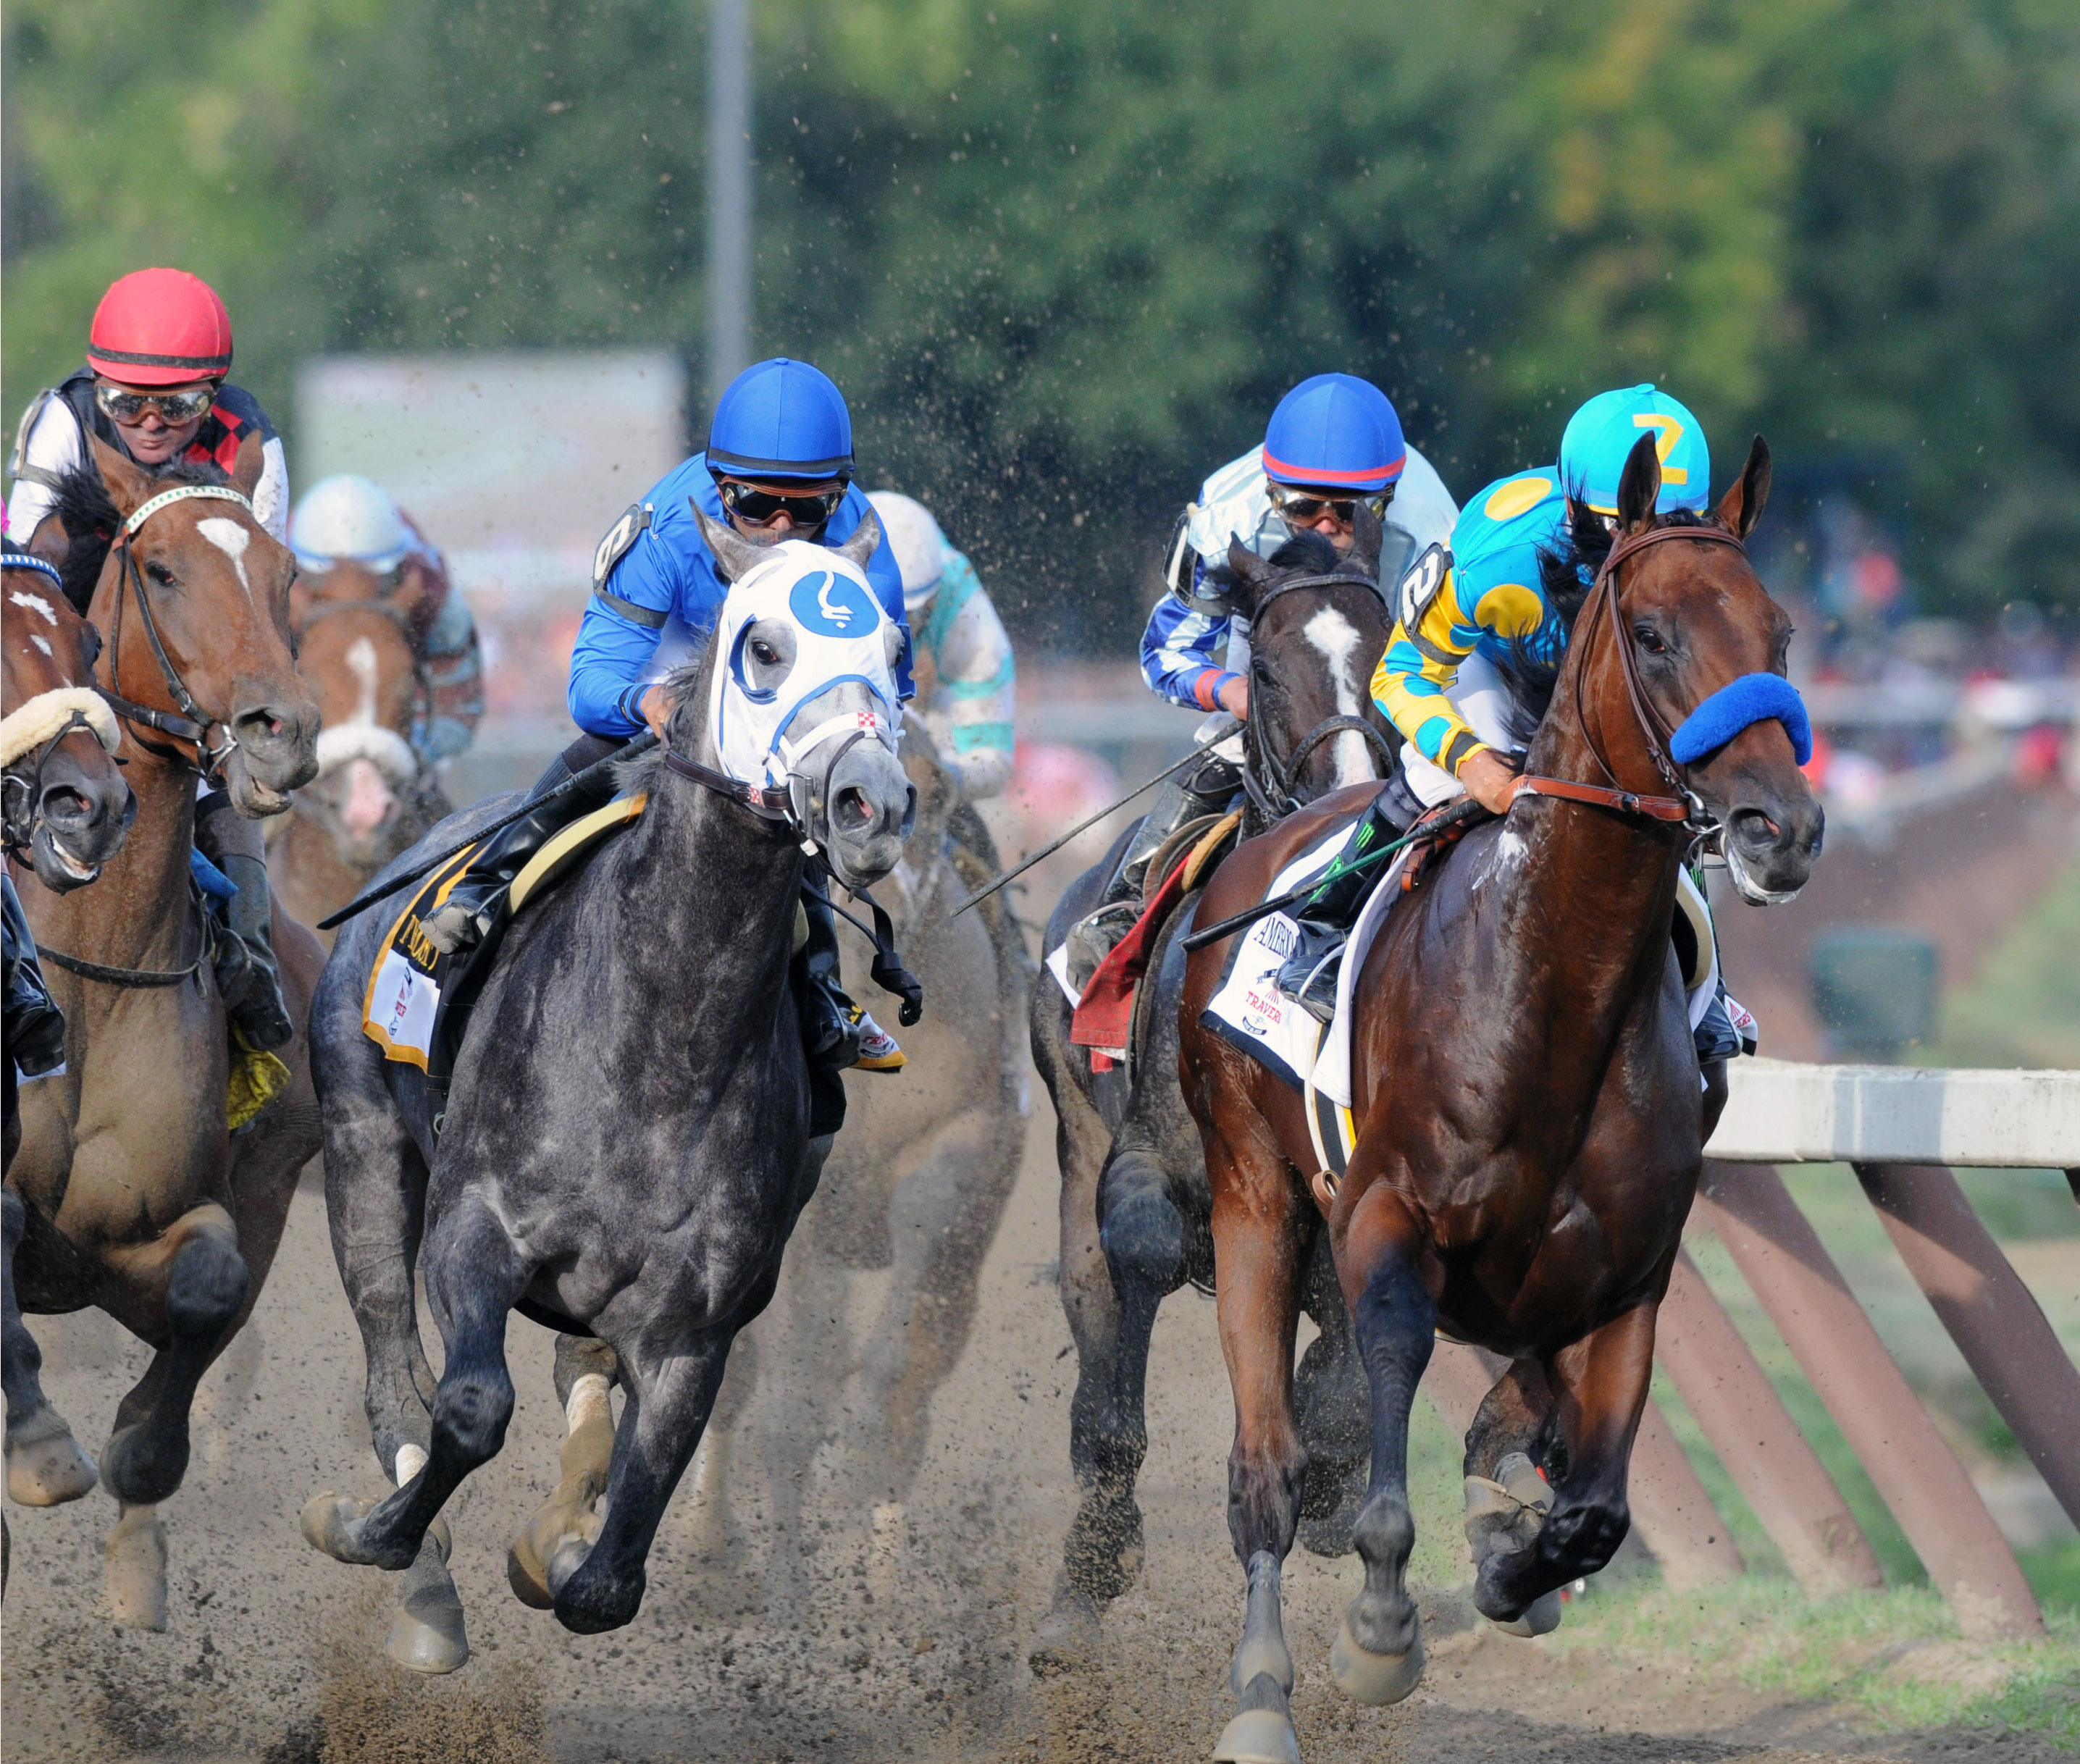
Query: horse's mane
1305	550
684	686
1567	567
91	521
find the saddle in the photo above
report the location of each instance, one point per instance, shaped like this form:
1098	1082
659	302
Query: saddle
1105	1009
420	999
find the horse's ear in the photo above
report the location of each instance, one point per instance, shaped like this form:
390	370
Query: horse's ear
1247	568
865	542
129	486
1366	535
735	555
246	469
1741	508
1639	487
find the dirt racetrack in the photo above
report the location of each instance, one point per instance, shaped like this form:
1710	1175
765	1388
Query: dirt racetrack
273	1653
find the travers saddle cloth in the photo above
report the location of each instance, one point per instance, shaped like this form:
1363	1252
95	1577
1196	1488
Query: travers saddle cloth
419	999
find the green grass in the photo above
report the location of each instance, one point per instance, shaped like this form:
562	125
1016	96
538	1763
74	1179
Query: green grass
2022	1007
1895	1657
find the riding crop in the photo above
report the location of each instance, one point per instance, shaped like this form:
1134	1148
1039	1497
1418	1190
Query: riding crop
983	892
641	744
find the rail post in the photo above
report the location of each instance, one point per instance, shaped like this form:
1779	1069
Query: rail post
1782	1259
1991	1315
1779	1474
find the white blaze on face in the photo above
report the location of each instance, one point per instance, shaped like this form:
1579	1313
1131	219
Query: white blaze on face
361	663
36	603
229	538
43	644
1335	638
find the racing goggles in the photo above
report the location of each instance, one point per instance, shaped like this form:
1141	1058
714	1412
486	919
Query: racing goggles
805	508
119	403
1296	505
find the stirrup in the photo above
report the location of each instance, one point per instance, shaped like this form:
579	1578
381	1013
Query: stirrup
878	1051
1308	976
455	925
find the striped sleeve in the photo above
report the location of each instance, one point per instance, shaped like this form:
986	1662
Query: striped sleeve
1179	655
1416	671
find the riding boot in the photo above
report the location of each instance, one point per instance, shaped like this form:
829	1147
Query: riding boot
244	959
1308	975
473	904
836	1032
1726	1030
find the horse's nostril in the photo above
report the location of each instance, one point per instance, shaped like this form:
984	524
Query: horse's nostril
852	810
63	804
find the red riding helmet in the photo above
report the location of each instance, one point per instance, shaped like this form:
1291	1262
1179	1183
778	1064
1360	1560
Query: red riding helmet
160	327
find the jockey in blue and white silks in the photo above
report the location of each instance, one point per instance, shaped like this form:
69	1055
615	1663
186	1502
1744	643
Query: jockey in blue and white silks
968	703
777	468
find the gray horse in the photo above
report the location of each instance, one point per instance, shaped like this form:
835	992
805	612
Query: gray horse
626	1145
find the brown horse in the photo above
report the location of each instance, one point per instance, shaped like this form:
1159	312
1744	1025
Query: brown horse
372	798
1529	1115
140	1198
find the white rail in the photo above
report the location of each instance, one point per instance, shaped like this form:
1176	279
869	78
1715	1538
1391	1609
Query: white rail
1783	1112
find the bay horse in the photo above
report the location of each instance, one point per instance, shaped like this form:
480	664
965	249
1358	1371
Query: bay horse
1529	1118
138	1197
626	1143
67	812
1136	1211
373	796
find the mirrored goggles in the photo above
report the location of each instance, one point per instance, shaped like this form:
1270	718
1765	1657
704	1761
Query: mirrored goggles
1297	505
119	403
804	507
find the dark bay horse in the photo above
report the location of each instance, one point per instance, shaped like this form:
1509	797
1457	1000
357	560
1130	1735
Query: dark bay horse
372	798
1529	1117
626	1144
1136	1211
139	1198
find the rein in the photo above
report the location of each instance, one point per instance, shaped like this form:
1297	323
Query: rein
133	979
192	723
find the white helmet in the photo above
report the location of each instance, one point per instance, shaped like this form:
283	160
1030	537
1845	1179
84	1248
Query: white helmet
914	537
351	518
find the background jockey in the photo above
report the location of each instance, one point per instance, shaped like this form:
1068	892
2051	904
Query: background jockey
1524	553
1334	441
347	519
966	678
156	355
778	465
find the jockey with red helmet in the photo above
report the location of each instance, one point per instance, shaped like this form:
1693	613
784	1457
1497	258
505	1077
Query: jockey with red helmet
156	355
154	386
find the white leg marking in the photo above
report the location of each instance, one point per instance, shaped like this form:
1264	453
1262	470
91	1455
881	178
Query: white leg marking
589	1397
411	1460
1335	638
229	538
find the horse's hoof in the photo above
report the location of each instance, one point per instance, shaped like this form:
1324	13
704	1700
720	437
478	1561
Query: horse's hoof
45	1466
426	1633
332	1523
535	1546
135	1582
1071	1638
1373	1679
1258	1737
1540	1617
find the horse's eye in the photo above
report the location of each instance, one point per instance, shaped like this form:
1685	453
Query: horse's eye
765	654
1649	639
160	573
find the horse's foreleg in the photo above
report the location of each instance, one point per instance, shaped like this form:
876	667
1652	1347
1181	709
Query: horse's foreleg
586	1371
1260	1241
598	1585
1378	1653
1509	1448
474	1273
44	1463
1601	1385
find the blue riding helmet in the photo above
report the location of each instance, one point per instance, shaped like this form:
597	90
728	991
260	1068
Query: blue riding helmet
1338	430
1601	436
781	419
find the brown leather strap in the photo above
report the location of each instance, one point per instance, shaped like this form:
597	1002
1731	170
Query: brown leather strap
752	796
1653	808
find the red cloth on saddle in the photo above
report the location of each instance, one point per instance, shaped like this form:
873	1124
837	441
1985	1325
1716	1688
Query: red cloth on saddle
1105	1017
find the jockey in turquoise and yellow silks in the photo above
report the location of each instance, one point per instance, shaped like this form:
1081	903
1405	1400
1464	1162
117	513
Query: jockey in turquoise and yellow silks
1437	681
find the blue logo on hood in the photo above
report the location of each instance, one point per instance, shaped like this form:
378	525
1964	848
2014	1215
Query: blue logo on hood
832	606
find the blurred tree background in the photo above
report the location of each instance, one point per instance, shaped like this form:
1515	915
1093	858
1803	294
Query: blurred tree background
1063	258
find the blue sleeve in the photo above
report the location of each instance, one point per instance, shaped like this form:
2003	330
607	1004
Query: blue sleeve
612	653
885	576
1180	654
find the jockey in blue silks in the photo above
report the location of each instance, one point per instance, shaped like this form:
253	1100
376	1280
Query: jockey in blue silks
1335	441
1522	554
778	465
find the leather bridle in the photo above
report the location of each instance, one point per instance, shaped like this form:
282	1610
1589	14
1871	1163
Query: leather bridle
1684	807
192	723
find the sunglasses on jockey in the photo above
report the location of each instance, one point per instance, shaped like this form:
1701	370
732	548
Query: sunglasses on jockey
122	403
805	508
1297	505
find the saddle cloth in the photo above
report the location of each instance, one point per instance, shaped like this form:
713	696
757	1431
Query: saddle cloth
1251	1013
418	1004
